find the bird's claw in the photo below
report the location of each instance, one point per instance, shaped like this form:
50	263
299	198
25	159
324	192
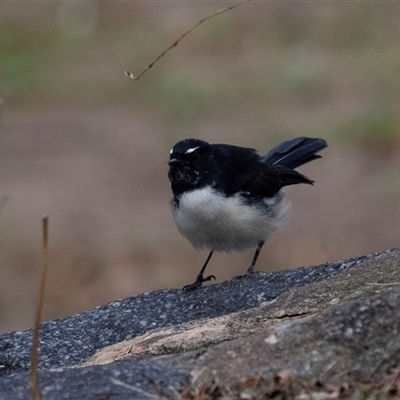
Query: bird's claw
198	283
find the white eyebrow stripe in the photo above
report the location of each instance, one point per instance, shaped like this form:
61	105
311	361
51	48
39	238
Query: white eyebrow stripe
171	151
188	151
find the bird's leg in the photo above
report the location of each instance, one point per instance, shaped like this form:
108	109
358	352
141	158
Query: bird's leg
257	253
200	278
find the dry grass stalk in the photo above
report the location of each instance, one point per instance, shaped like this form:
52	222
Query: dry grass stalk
33	372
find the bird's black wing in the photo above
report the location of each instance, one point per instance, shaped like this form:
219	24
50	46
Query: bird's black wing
267	181
256	180
242	170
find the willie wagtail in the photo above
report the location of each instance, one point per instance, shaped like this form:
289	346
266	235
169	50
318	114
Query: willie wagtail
229	198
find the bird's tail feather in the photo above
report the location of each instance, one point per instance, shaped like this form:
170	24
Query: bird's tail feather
295	152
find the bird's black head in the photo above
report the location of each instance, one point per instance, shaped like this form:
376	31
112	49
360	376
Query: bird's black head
190	164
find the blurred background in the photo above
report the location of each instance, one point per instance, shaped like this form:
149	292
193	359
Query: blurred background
84	144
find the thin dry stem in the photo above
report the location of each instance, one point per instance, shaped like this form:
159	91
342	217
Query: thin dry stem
133	388
33	373
1	107
222	10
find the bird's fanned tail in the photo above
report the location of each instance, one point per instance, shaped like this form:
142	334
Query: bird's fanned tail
295	152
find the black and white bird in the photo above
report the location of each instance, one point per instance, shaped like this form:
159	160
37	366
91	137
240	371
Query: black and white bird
229	198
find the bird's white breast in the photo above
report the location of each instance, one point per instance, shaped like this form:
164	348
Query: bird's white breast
209	219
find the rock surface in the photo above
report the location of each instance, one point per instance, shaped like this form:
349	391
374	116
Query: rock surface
336	324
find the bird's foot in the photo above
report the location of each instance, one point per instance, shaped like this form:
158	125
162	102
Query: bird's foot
198	283
250	271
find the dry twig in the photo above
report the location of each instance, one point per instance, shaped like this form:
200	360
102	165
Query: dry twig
33	373
133	388
222	10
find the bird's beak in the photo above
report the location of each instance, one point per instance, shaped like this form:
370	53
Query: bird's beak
174	161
